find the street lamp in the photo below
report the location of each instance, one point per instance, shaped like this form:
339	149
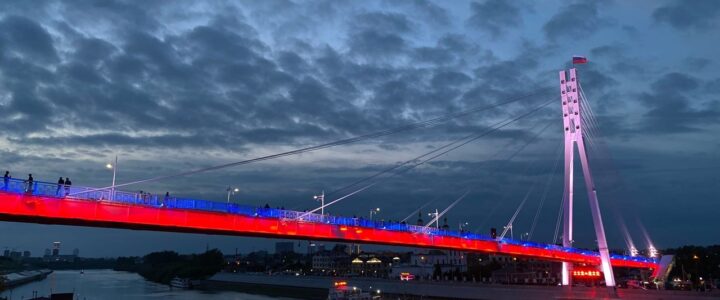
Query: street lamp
231	190
463	225
114	169
526	235
374	212
321	198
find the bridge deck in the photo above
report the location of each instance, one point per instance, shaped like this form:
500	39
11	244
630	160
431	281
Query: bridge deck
173	216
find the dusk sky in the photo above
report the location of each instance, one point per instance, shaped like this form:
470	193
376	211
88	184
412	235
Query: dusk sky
172	86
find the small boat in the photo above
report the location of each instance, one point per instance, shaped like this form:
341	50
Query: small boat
341	291
182	283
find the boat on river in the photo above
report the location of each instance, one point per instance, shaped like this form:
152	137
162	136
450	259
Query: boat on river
181	283
341	291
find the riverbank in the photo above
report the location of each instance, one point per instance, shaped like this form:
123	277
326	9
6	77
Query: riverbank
12	280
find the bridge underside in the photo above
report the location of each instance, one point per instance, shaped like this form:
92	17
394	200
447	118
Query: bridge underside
78	212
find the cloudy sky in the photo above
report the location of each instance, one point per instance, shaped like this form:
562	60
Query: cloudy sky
173	86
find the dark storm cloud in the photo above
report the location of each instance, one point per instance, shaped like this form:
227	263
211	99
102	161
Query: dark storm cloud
613	59
507	73
371	43
684	15
599	80
677	105
606	51
23	37
433	55
449	79
495	16
122	14
576	20
451	50
698	63
392	22
427	9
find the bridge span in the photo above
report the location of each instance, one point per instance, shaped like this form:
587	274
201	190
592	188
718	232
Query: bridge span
46	203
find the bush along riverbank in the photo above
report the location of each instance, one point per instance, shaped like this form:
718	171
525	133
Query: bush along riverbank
163	266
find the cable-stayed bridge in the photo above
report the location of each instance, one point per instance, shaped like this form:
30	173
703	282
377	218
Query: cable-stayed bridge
52	203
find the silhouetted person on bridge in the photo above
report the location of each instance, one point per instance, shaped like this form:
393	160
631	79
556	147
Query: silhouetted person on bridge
68	183
165	200
61	184
6	180
29	184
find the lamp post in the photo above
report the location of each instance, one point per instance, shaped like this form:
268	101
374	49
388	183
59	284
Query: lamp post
231	190
463	225
321	198
114	169
374	212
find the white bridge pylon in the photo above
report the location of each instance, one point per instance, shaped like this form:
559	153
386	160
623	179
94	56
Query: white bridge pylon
573	128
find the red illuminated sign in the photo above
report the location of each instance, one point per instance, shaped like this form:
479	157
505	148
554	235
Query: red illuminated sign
588	273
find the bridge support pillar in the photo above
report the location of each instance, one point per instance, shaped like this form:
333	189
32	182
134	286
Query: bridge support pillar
573	128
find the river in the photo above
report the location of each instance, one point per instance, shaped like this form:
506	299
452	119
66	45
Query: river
111	285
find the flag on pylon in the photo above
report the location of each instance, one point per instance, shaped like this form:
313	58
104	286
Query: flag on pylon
579	60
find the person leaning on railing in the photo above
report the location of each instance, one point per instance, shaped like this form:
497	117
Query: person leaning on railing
165	199
29	183
60	185
68	183
6	180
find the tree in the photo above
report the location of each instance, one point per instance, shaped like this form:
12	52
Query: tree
437	272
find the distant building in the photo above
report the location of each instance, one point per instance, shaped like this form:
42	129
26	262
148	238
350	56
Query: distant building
55	256
56	249
450	260
331	262
425	264
370	265
285	247
6	253
26	254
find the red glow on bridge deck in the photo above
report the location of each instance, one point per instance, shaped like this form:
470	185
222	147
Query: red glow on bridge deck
37	209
